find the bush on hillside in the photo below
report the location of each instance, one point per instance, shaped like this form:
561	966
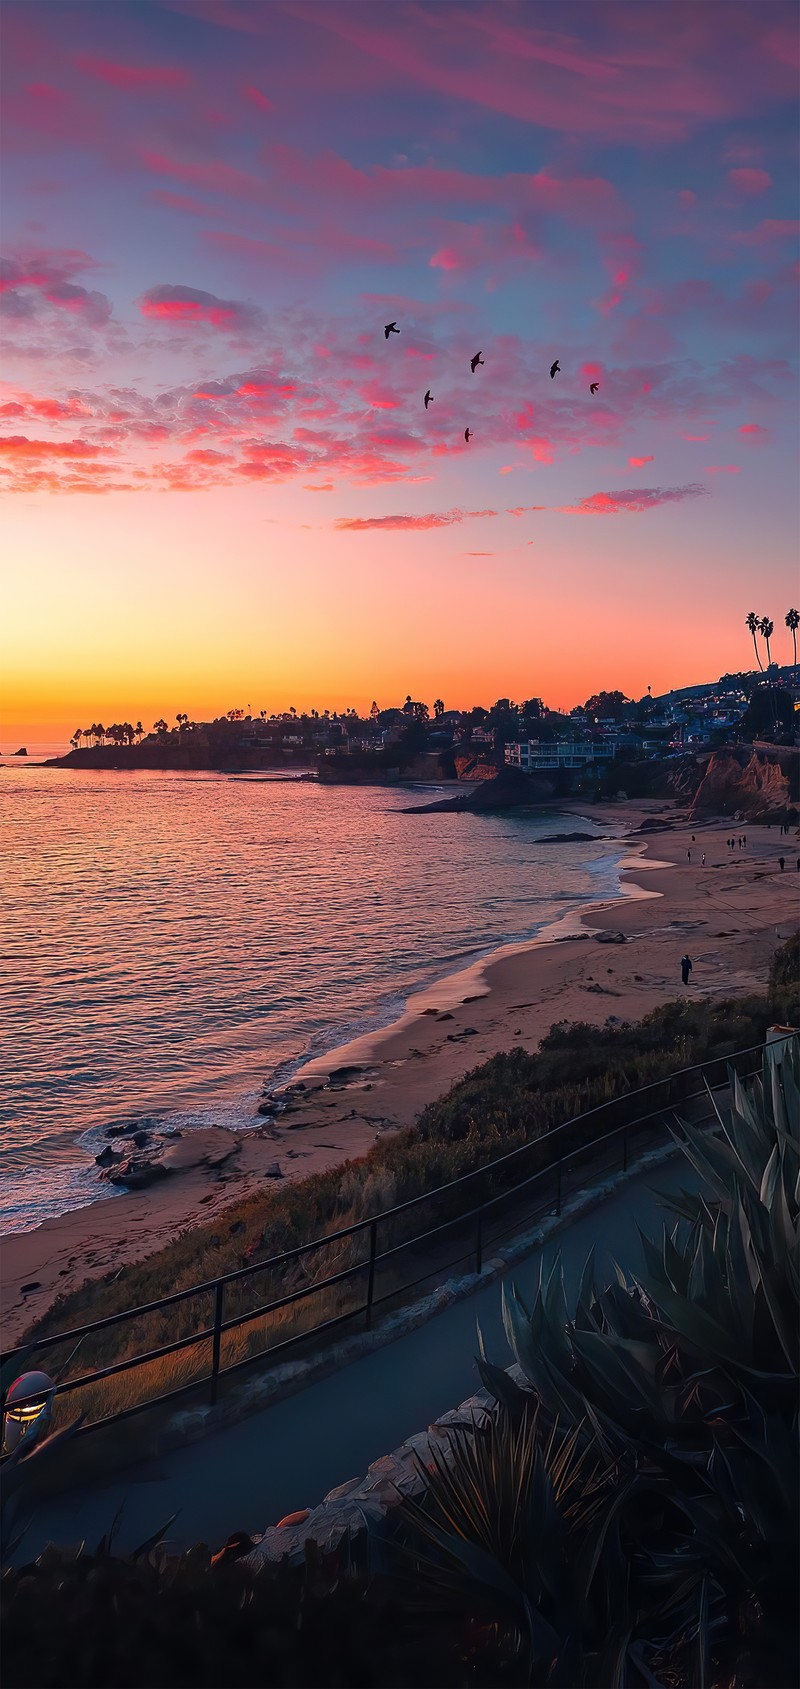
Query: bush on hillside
630	1519
511	1101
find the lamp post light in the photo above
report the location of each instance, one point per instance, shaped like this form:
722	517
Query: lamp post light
28	1409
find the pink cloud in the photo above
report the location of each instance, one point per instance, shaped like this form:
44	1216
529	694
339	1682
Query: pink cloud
752	428
132	78
687	196
645	85
45	278
750	182
630	500
639	462
213	177
623	261
256	98
769	230
180	202
19	446
192	305
437	519
54	410
723	469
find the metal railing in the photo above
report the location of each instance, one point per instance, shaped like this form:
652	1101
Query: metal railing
469	1226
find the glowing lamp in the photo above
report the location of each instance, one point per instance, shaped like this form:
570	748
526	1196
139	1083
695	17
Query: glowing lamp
27	1409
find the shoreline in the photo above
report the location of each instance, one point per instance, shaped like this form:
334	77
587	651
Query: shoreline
510	996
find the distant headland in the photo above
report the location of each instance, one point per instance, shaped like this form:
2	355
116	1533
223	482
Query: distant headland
508	754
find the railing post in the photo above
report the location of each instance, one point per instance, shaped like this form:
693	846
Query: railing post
558	1187
479	1243
215	1342
373	1244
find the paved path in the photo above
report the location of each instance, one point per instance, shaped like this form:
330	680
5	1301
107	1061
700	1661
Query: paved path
288	1456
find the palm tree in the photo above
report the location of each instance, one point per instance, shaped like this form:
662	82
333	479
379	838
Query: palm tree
139	730
76	738
438	706
752	621
766	629
792	620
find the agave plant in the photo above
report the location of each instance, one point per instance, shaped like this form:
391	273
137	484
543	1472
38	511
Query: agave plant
516	1544
692	1372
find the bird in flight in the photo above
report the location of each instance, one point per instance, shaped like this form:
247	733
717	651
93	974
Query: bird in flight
428	398
474	362
468	435
555	369
391	328
594	386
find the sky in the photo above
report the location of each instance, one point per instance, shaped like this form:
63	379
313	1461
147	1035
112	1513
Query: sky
221	486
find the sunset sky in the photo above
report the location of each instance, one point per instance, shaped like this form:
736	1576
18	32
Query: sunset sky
221	487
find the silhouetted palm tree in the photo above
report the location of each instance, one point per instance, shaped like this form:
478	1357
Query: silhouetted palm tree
438	706
76	738
752	621
139	730
792	620
767	628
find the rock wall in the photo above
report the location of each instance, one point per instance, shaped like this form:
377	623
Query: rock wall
755	782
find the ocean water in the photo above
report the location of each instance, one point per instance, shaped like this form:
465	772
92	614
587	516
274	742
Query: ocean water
171	942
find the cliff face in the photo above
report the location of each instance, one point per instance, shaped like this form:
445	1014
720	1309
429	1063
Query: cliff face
471	766
757	782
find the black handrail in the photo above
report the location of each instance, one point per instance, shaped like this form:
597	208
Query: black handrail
488	1167
375	1257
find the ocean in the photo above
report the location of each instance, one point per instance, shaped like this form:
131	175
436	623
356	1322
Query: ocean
173	942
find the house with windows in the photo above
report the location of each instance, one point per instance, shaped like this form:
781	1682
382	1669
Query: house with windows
532	755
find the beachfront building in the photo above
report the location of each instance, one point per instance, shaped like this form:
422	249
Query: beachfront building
533	754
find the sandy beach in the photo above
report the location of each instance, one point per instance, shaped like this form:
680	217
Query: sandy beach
729	912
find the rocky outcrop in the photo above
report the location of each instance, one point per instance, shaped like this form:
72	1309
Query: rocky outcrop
753	783
509	790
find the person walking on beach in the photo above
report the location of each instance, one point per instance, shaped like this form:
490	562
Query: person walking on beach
686	968
782	862
688	856
703	863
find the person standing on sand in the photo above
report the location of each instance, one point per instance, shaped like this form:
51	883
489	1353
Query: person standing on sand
688	856
782	862
686	968
703	863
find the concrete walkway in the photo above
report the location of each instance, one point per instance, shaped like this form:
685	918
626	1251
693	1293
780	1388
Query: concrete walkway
291	1454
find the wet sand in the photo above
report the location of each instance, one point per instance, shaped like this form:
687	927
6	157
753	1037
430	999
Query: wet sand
729	914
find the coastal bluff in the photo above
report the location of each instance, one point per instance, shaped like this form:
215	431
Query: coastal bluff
756	782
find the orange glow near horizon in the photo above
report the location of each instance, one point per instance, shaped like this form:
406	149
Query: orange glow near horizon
202	603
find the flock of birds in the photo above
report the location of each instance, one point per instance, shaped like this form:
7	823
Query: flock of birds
555	369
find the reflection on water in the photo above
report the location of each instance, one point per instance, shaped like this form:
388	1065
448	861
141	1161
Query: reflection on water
171	940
